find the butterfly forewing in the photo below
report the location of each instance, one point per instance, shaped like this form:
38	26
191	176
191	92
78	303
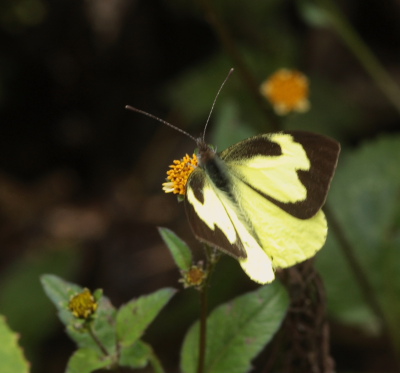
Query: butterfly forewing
293	170
208	216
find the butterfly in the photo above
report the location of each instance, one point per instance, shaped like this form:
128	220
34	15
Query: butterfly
260	200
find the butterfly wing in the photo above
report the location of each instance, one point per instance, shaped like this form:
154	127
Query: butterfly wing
281	182
291	169
263	204
216	220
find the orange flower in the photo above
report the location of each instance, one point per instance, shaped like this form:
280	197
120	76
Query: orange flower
179	174
287	90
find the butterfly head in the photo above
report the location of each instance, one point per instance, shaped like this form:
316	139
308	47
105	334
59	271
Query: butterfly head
205	152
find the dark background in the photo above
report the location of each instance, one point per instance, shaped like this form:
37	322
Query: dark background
80	177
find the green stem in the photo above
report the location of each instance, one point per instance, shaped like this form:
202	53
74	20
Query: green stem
212	260
156	363
360	49
97	341
203	329
366	288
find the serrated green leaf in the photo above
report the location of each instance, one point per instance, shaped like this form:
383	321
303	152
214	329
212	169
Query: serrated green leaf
103	324
21	292
179	249
365	200
135	356
86	360
58	290
237	331
134	317
11	357
139	355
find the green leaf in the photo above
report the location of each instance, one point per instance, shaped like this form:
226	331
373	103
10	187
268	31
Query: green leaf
237	331
134	317
21	292
136	355
60	291
365	200
11	357
86	360
313	14
180	251
103	325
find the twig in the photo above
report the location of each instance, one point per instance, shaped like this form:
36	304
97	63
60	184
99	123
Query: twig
362	52
366	288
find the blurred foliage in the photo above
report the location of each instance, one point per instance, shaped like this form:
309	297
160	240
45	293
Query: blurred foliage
365	200
20	293
11	356
74	167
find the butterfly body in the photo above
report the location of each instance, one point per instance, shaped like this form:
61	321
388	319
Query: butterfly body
260	200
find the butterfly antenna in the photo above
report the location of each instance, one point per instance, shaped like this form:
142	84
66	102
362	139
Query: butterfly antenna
215	100
160	120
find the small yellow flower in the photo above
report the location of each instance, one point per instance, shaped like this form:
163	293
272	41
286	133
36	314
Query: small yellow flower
287	90
179	174
195	276
83	305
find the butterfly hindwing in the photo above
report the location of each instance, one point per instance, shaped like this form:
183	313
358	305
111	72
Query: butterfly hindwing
286	239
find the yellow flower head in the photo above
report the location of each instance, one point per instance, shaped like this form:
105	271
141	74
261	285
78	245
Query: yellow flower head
83	305
287	90
195	276
179	173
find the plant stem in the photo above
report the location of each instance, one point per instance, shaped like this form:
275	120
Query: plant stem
366	288
97	340
156	363
212	260
360	49
203	329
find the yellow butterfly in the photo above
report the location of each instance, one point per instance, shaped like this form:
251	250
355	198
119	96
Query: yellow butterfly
260	200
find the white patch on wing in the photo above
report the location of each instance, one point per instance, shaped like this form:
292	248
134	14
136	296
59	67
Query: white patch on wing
212	212
219	210
258	266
